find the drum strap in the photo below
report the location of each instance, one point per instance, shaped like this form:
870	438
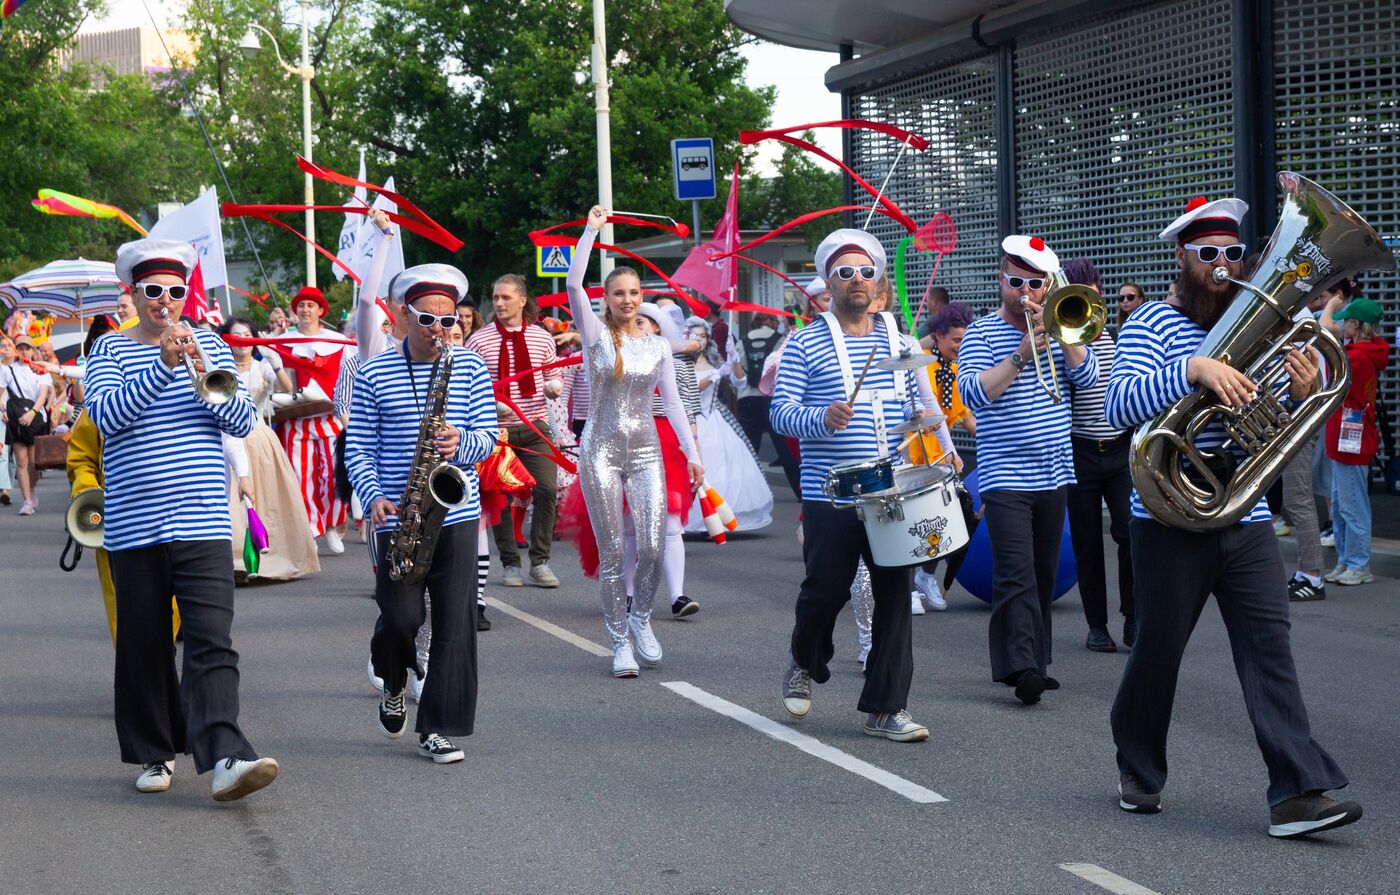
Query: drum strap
876	398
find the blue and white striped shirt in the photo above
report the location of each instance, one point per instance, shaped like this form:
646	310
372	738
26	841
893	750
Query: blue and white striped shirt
1022	436
809	379
386	411
1149	375
163	456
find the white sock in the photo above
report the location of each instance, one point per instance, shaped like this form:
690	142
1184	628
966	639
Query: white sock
1311	579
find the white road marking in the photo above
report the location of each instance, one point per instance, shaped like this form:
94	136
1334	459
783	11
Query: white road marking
811	745
1105	879
550	628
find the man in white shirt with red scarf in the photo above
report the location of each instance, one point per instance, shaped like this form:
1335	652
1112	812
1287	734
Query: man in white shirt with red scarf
512	344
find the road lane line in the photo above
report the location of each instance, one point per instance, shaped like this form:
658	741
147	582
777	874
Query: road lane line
811	745
550	628
1105	879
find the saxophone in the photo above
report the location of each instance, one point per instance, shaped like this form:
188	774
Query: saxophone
1318	241
434	486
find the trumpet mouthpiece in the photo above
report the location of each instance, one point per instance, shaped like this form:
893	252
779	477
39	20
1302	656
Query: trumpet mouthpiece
1220	275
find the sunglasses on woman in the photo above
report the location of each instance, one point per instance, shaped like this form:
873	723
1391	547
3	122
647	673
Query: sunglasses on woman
1208	254
154	291
849	272
1031	283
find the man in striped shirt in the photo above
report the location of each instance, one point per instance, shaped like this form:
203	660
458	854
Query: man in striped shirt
1024	460
1101	477
812	402
1176	569
388	405
168	531
511	344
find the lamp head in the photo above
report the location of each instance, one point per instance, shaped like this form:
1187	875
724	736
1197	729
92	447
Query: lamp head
250	45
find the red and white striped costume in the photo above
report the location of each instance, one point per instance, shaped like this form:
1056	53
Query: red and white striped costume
310	441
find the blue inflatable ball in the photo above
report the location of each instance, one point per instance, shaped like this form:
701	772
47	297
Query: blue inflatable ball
976	572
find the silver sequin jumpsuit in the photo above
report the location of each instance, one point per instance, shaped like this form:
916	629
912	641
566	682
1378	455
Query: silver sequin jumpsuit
620	451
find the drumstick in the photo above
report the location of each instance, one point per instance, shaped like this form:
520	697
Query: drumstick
863	370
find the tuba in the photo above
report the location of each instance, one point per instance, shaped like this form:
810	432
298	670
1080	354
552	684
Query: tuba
1318	241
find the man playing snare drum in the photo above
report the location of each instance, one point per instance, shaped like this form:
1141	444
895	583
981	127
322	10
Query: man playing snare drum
820	368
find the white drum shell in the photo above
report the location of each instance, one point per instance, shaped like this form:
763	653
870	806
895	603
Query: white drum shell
917	520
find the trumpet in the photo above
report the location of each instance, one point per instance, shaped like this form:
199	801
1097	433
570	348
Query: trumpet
1073	315
216	386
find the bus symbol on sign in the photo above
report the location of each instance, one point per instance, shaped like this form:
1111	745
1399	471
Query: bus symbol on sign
695	161
693	168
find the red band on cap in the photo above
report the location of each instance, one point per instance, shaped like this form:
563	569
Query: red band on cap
152	266
1209	227
419	290
848	247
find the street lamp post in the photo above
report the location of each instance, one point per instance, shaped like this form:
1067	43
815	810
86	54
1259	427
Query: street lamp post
250	45
601	110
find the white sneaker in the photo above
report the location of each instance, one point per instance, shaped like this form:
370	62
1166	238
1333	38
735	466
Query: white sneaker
648	647
624	663
156	777
375	681
415	686
1337	571
1281	527
333	542
929	591
235	778
916	604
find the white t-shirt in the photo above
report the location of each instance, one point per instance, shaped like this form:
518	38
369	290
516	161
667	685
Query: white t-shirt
19	380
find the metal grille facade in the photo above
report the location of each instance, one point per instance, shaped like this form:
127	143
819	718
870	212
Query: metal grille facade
1337	121
955	108
1112	142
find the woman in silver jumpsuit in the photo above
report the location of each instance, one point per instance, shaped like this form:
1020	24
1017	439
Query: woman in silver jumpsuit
620	452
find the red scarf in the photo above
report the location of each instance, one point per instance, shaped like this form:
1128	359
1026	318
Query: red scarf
513	345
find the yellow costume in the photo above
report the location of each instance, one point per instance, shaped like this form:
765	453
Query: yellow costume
84	472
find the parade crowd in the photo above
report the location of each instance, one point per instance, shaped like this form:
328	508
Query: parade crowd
440	424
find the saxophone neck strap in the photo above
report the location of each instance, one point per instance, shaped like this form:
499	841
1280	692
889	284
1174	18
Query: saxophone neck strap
412	380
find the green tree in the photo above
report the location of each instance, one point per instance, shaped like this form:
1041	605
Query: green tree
124	143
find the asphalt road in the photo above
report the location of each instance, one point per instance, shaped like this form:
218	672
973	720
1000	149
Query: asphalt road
579	783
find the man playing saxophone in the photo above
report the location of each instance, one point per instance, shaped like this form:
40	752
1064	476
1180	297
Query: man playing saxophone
392	394
1176	568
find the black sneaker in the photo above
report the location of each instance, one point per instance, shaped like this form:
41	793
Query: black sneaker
684	606
439	748
482	622
1301	590
1312	812
1100	641
1133	798
1050	682
797	690
1029	686
1129	632
393	715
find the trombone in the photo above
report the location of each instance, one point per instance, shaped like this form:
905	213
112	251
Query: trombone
216	386
1073	315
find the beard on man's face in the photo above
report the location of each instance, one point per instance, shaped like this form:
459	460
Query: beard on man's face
1202	298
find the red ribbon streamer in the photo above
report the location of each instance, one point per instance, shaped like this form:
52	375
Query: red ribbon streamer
789	279
502	392
542	237
742	306
260	300
749	137
797	222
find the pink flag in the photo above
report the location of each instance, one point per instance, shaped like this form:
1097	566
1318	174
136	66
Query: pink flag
716	280
198	307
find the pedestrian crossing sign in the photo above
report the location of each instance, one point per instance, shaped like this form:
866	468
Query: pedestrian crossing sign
553	261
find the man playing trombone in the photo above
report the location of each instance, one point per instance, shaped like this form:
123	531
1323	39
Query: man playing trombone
167	528
1013	377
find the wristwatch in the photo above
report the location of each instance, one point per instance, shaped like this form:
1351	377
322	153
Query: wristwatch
1018	361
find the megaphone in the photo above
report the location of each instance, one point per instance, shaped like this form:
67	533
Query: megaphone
85	517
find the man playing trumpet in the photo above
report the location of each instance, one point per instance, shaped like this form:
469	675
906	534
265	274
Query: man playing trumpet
168	530
1024	459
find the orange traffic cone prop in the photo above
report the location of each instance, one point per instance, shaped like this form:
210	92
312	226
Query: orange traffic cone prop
726	515
714	527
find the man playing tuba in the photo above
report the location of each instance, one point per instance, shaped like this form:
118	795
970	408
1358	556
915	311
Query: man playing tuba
1176	569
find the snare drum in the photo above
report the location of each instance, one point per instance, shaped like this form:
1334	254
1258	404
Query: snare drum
917	520
851	480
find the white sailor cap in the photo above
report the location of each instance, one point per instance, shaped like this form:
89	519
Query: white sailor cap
428	279
841	241
1031	253
816	287
144	257
663	320
1202	218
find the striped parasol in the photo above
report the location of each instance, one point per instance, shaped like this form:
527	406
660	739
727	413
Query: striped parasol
74	288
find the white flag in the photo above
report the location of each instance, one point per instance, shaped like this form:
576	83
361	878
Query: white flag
198	224
364	247
350	230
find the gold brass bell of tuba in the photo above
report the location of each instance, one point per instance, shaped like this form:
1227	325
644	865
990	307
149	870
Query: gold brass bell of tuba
1073	315
1318	241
